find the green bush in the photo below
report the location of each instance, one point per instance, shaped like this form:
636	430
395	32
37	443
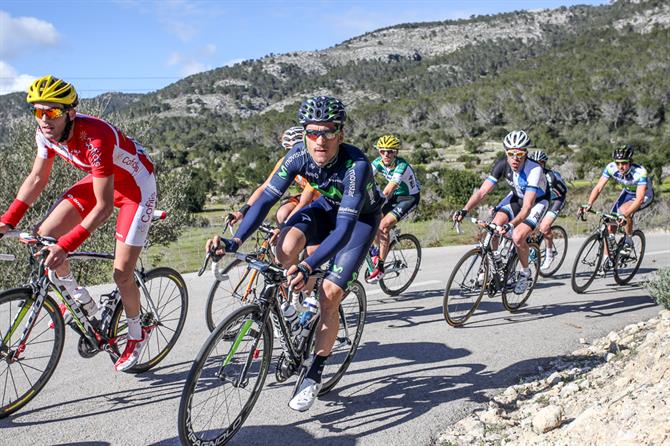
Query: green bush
659	286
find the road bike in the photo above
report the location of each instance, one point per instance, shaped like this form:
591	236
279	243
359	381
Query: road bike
401	265
229	372
559	246
32	329
235	283
623	263
485	269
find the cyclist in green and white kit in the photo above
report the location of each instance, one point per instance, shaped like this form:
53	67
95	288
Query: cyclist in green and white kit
402	196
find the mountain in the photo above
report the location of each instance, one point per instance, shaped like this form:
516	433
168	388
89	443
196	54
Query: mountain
579	79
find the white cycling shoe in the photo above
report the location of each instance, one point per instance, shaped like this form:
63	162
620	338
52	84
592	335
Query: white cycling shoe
521	284
306	395
547	263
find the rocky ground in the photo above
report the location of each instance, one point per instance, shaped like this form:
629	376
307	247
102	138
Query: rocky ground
613	391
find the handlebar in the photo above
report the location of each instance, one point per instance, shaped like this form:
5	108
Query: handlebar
605	215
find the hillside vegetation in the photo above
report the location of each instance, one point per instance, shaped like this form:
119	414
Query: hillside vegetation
579	79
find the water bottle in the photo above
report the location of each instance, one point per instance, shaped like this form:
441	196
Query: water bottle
82	296
108	302
312	310
497	259
611	244
291	317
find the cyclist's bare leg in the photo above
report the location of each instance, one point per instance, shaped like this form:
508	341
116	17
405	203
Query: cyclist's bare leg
500	219
329	323
125	259
624	209
284	211
290	243
387	223
519	237
62	218
545	229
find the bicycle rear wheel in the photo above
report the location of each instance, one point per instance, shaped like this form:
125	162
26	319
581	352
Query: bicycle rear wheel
626	265
218	394
24	374
512	301
237	288
401	265
167	291
465	288
352	311
560	246
587	263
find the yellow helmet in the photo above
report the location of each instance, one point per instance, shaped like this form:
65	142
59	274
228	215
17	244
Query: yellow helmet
388	142
52	89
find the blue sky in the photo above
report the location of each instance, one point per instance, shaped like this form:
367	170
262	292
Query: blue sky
137	46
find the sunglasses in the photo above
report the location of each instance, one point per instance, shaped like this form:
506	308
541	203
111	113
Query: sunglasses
328	134
50	113
387	151
621	162
518	154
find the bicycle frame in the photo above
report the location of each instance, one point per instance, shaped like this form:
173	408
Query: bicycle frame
393	237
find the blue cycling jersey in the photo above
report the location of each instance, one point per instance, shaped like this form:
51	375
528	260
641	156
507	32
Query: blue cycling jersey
346	184
529	178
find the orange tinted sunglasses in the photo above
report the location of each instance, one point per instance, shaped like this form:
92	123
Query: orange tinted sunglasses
50	113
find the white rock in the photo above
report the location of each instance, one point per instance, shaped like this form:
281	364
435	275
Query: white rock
553	378
609	357
569	389
583	341
547	419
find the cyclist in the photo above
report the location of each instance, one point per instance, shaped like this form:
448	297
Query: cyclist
402	195
120	174
342	221
558	190
292	204
637	191
523	207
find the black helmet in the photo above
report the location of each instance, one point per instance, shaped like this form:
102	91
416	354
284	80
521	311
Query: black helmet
624	152
322	109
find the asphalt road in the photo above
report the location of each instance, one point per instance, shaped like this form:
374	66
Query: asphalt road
412	376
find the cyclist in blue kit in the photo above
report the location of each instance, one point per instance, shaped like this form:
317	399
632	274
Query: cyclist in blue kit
342	222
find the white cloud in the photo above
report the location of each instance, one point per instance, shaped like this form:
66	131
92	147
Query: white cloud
173	59
232	62
193	67
11	81
209	50
20	33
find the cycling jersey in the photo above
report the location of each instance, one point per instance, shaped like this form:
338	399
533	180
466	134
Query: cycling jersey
98	148
636	176
530	178
400	173
346	185
299	179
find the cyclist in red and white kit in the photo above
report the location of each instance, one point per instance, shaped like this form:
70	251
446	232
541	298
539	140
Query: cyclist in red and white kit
120	174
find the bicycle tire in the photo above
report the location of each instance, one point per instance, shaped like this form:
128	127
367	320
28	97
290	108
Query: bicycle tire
509	304
593	241
222	301
353	310
448	301
396	259
559	233
169	294
10	302
212	379
619	276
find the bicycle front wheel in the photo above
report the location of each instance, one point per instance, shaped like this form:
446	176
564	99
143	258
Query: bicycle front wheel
465	288
352	311
626	264
401	265
559	245
238	287
225	379
164	305
512	301
25	369
587	263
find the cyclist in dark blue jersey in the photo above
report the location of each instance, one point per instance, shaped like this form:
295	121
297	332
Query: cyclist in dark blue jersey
342	222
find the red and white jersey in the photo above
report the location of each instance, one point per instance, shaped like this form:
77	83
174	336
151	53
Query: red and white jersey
101	149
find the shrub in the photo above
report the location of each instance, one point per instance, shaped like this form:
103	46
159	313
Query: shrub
659	287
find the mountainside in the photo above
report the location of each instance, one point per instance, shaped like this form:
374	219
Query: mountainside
579	79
